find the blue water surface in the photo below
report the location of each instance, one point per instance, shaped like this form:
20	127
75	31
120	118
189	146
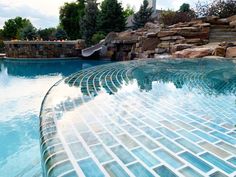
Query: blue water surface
23	85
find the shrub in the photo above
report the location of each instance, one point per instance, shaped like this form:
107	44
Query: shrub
97	37
223	9
170	17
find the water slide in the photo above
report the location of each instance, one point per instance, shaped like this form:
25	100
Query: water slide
91	50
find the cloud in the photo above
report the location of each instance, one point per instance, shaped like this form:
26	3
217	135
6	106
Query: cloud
43	13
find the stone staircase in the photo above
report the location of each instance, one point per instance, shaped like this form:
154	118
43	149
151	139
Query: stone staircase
221	33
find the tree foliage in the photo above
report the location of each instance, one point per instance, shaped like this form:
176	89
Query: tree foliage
128	11
143	15
89	21
60	34
47	33
184	7
221	8
184	14
111	17
28	32
97	37
70	15
12	27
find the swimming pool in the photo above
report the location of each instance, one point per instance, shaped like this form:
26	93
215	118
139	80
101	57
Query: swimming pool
142	118
23	85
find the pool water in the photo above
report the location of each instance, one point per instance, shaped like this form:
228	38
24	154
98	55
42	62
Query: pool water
23	85
142	118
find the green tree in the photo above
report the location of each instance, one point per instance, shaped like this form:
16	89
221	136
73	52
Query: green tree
128	11
142	16
89	21
184	7
61	34
111	17
1	41
47	33
28	32
97	38
12	26
1	34
70	15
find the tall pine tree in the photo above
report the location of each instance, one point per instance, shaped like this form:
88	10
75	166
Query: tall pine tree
89	21
111	17
142	16
70	15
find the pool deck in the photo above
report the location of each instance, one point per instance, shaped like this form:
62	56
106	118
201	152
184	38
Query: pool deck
142	118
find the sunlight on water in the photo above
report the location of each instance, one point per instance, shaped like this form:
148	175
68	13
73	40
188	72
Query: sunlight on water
23	86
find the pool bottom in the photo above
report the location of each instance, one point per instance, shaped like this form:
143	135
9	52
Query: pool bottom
142	118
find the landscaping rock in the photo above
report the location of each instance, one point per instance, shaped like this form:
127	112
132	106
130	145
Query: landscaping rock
201	25
232	24
232	18
193	53
179	47
166	45
150	43
195	41
219	51
212	19
166	33
150	25
188	34
151	35
171	38
231	52
222	21
160	50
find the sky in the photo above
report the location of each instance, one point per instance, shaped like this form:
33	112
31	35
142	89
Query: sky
45	13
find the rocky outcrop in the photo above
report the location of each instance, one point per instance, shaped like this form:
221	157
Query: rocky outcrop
219	51
231	52
179	47
193	53
180	39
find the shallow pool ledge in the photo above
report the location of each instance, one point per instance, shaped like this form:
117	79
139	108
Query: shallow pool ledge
142	118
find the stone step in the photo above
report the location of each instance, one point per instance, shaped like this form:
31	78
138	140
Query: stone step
221	40
223	34
223	30
221	27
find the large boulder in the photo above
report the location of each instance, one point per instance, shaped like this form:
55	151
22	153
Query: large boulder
232	24
231	52
150	43
212	19
232	18
193	53
179	47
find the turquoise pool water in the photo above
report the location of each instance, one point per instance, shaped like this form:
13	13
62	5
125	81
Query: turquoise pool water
23	85
142	118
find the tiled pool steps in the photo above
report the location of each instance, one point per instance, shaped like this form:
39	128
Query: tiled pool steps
142	118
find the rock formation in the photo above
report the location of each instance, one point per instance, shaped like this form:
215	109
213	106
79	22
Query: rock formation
186	40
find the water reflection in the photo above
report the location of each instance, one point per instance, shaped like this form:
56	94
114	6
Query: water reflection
23	84
160	100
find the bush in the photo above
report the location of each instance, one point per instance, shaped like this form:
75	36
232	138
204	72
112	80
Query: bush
1	46
97	38
219	8
170	17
